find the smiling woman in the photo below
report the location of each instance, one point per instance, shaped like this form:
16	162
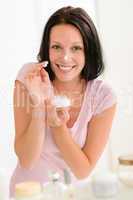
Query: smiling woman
66	52
48	139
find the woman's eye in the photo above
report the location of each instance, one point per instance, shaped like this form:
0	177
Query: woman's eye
55	47
76	48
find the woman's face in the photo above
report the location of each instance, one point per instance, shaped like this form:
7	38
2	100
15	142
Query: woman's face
66	52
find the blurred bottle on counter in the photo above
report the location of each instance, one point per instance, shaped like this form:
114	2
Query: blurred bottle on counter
54	189
70	190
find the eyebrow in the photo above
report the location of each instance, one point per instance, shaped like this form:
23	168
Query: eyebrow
72	43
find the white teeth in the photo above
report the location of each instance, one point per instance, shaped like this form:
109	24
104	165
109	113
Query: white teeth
64	68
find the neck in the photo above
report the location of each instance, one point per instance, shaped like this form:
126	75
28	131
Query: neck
66	88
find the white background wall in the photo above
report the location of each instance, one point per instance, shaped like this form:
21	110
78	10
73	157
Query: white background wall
22	23
116	27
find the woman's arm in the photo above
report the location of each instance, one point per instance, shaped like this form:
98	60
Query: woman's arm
29	127
82	161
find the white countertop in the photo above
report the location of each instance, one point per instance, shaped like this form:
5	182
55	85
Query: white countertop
124	193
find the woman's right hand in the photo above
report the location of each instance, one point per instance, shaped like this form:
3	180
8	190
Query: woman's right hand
39	85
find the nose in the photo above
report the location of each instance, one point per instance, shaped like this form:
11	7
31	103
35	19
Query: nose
66	56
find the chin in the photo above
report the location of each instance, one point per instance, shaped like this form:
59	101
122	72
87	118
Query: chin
65	79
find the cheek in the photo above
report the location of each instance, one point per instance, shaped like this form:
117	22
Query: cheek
81	59
52	56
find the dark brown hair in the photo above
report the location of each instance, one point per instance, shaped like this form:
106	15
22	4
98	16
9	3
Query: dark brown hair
79	18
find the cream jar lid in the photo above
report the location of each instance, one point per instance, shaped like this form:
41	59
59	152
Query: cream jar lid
126	159
26	189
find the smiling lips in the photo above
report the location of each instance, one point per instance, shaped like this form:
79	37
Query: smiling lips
65	68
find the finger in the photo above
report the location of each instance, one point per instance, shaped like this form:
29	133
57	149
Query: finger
64	115
52	117
42	64
30	75
28	82
44	75
35	67
36	71
50	107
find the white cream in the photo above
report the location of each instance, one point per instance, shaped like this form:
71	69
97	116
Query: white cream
61	101
45	63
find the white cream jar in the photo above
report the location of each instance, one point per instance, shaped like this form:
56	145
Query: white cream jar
125	170
104	184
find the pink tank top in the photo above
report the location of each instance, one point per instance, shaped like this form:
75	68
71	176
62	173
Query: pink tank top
98	97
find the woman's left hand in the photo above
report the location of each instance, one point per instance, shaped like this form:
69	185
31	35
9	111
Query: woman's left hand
56	116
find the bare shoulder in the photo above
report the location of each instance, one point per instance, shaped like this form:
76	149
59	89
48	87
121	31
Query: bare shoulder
108	112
